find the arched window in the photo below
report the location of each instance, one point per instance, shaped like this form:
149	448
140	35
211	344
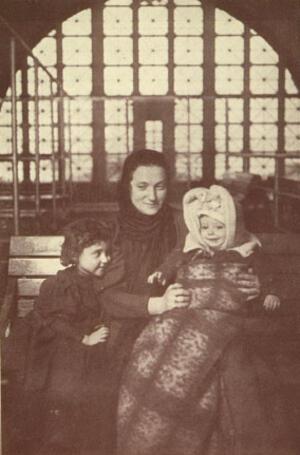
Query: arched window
177	76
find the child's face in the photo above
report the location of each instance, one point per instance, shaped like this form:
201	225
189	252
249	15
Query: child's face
212	231
94	259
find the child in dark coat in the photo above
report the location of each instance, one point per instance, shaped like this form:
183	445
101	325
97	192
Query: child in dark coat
66	380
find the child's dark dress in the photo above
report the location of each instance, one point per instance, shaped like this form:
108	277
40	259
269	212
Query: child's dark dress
66	382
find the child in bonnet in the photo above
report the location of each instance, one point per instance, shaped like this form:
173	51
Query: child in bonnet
170	399
214	228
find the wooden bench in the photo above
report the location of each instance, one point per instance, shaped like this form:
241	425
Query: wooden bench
33	258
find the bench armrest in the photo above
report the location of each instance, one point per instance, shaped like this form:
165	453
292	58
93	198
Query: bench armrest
8	305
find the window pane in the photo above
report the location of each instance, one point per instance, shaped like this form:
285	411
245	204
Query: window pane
153	20
188	110
118	80
188	138
118	139
77	51
5	139
118	111
82	167
188	51
46	172
290	86
188	21
188	80
229	80
229	50
261	52
78	80
188	167
262	166
292	138
80	111
118	51
227	25
44	112
81	139
117	21
46	144
153	80
292	169
230	139
44	83
263	138
5	113
114	165
264	110
79	24
45	51
224	164
154	135
292	110
230	110
6	175
263	79
153	51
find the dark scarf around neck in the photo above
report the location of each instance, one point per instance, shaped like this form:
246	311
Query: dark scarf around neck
145	240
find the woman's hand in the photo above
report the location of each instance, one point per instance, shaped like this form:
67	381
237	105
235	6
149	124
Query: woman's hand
157	277
98	336
248	284
271	302
175	296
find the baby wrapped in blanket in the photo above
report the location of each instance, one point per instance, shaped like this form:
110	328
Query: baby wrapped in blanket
172	398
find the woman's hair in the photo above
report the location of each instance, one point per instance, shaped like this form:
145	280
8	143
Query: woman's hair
81	234
136	159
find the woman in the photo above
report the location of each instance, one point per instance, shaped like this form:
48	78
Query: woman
147	231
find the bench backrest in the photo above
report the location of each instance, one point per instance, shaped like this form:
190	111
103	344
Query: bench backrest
33	258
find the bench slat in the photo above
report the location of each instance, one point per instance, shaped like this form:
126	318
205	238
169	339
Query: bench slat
34	267
29	286
36	246
24	307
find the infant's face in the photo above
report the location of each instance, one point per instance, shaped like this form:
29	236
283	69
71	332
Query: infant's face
212	231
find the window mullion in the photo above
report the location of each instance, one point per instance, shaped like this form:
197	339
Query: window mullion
246	144
99	156
208	92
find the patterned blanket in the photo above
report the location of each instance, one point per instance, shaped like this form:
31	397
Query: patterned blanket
192	386
170	395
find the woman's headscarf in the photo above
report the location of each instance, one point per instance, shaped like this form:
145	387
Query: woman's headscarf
145	239
217	203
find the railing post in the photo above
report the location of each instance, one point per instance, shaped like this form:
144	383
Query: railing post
276	193
53	161
37	141
70	182
14	137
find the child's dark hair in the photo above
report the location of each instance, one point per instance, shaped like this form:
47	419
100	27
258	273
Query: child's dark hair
79	235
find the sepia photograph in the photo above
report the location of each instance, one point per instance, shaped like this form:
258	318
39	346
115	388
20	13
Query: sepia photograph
150	227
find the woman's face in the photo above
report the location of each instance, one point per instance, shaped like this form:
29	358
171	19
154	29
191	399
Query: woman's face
148	189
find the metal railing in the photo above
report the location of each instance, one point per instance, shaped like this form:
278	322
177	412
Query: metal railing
57	156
